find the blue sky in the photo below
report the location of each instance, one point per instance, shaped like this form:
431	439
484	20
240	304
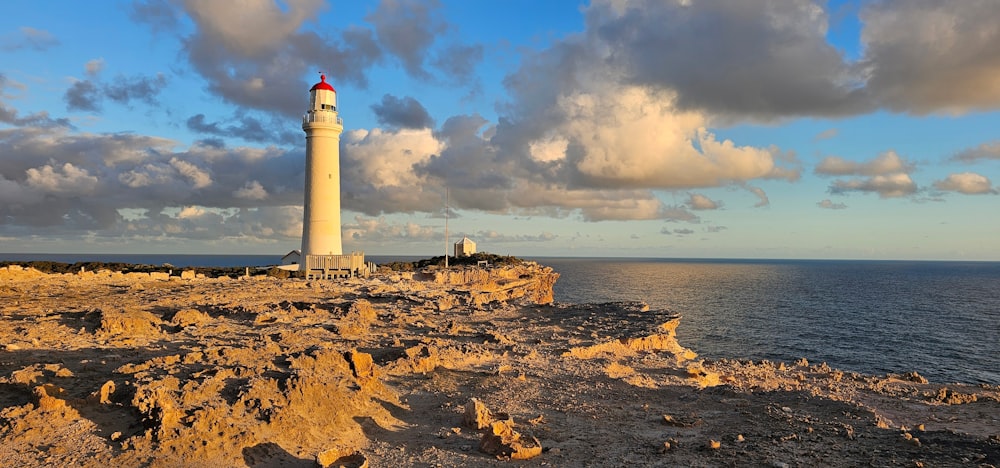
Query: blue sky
655	128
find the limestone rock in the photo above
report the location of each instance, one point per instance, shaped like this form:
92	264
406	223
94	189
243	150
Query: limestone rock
502	440
129	323
477	415
339	457
189	317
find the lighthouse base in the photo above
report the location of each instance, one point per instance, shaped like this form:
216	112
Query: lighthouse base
337	266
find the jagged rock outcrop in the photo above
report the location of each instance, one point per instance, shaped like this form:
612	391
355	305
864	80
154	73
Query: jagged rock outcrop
527	282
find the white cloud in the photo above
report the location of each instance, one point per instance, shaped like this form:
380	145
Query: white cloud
251	191
886	186
700	202
147	175
548	150
386	159
67	179
888	175
968	183
198	177
191	212
630	137
254	26
884	164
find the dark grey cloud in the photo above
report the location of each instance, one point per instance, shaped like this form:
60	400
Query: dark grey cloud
927	56
82	95
458	62
28	38
404	112
161	15
247	128
124	90
269	83
678	232
87	95
407	29
985	151
756	59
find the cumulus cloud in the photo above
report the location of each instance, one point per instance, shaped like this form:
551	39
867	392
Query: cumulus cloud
888	175
61	180
924	56
768	60
886	163
592	127
984	151
378	173
253	190
56	180
968	183
830	205
700	202
198	177
406	112
256	59
754	58
886	186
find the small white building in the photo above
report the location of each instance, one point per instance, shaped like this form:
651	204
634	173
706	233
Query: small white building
465	247
292	258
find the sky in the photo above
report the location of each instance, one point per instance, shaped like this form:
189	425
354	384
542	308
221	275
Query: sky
846	129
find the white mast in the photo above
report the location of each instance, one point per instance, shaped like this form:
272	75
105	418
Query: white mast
446	200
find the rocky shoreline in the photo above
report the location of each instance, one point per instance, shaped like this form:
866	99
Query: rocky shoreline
463	367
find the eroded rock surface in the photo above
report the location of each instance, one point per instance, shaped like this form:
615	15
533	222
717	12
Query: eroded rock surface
471	367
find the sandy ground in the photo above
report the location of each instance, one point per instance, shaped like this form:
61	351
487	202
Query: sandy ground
472	368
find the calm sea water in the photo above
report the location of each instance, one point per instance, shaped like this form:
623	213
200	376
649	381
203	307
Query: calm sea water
941	319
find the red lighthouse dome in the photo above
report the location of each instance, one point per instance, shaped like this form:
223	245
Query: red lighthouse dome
322	85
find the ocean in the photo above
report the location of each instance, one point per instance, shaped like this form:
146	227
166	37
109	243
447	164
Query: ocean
940	319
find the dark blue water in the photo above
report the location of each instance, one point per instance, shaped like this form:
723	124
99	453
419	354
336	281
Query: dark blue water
941	319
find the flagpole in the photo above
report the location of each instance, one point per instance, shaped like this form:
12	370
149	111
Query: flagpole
446	200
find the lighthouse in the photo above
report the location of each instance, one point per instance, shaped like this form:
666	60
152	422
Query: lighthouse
321	221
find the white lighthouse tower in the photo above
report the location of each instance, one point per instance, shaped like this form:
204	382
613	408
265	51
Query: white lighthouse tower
321	223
